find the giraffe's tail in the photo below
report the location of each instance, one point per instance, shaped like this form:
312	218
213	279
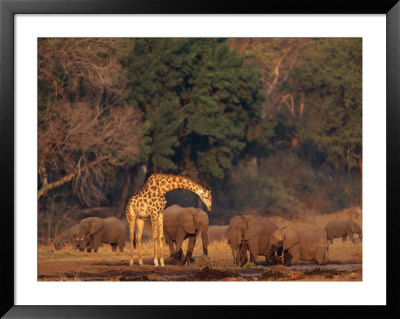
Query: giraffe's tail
134	239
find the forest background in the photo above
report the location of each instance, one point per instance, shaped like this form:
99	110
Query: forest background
272	125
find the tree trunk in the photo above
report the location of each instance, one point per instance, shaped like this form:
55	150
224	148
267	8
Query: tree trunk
43	175
124	194
361	179
49	228
301	104
47	187
134	181
131	182
151	168
295	142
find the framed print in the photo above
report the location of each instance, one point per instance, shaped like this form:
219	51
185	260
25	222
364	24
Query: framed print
166	158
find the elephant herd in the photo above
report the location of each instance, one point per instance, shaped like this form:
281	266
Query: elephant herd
245	234
287	245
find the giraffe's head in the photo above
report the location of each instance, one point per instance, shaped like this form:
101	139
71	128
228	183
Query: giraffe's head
205	196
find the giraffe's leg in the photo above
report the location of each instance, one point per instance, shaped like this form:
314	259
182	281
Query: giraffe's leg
155	251
161	239
154	222
131	234
139	232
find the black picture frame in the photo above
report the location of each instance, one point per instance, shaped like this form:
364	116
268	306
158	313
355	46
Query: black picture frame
9	8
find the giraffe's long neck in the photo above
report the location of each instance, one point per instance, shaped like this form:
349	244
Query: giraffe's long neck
170	182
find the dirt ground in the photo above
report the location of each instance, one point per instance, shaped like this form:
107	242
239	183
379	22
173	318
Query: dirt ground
345	264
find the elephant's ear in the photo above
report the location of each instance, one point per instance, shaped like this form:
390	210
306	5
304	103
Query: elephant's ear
290	238
201	219
96	224
186	219
251	229
351	226
203	226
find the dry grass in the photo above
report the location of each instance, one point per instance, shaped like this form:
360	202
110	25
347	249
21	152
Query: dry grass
219	252
72	265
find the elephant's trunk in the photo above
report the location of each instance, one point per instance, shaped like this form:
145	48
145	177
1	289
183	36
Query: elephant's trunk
271	256
83	242
235	246
242	256
236	254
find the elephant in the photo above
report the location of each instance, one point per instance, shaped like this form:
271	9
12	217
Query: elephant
97	230
342	228
249	233
68	236
218	233
181	223
299	244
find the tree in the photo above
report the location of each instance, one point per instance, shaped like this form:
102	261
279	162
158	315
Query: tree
277	57
85	129
198	98
313	106
313	89
330	81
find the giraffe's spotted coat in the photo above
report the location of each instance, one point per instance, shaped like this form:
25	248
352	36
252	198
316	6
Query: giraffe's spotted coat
150	202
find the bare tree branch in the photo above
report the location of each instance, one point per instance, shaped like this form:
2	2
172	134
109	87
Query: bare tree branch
55	184
84	128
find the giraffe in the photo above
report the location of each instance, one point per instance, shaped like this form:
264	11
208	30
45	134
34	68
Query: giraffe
150	201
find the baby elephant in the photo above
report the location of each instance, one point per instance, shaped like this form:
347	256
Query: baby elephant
181	223
342	228
299	244
109	230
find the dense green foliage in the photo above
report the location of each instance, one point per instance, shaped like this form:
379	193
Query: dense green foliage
330	79
273	125
314	106
198	97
